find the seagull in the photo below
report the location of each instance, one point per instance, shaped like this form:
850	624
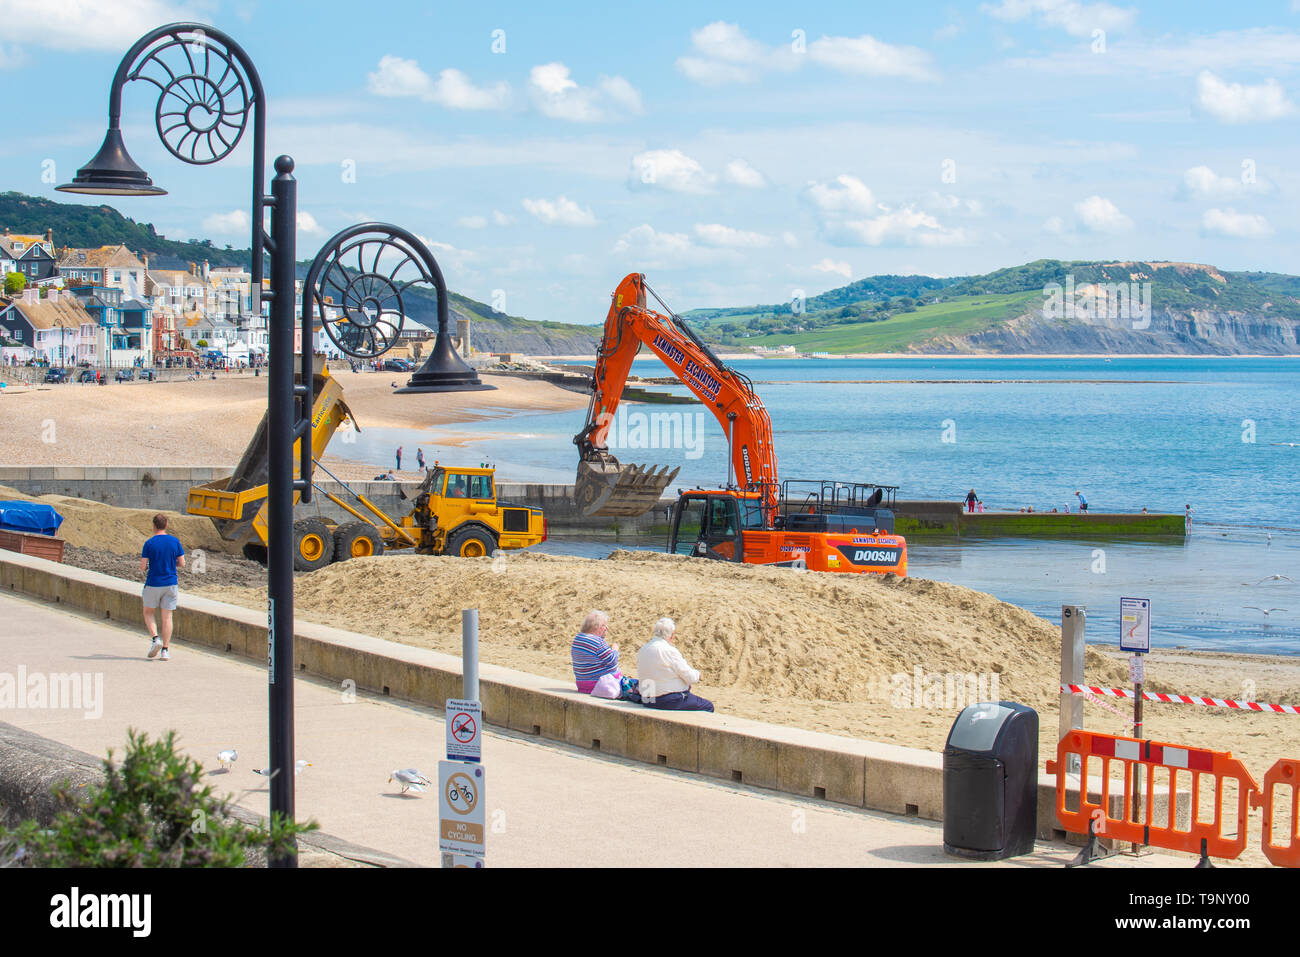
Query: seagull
1264	610
297	769
1270	578
410	779
227	758
1289	445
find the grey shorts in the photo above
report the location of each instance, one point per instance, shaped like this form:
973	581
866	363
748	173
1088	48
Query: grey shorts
161	596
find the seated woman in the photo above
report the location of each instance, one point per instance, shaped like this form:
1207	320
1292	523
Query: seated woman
590	654
664	676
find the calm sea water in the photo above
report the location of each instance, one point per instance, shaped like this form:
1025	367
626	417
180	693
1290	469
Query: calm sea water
1222	435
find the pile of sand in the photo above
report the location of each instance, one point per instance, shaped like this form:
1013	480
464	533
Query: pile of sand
89	524
764	631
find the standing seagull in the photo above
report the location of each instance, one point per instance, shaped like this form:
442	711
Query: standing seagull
227	758
410	779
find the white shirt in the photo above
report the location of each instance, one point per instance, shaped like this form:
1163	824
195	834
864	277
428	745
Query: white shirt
662	670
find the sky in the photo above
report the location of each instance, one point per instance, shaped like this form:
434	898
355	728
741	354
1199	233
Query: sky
735	153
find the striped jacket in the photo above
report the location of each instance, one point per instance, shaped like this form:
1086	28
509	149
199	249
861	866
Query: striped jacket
591	658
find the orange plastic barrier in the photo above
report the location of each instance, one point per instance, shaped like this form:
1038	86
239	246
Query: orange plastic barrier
1139	759
1285	772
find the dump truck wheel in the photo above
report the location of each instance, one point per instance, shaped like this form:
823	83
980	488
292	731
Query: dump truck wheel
356	540
255	553
471	543
313	545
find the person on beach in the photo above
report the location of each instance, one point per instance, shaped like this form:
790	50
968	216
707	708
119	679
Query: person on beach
664	678
1083	502
160	556
971	499
419	458
591	655
1187	515
399	458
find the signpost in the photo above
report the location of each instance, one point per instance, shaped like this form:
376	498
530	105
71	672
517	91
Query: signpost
1135	637
461	812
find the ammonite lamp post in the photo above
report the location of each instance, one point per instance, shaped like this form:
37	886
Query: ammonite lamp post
208	87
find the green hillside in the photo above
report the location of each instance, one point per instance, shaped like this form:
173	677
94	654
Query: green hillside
960	316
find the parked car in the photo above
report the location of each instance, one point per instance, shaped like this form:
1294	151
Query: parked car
397	365
148	375
125	375
57	375
87	375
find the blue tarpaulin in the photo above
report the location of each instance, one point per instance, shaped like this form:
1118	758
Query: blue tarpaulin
29	517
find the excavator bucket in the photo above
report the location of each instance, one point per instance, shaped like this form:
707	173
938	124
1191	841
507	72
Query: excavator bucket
603	487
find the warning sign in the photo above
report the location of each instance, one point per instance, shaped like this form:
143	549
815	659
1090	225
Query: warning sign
1135	625
460	808
464	730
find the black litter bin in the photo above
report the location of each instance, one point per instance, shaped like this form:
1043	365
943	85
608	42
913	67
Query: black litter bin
990	782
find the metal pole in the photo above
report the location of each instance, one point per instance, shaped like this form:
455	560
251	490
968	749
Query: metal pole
1137	766
1074	620
469	653
281	419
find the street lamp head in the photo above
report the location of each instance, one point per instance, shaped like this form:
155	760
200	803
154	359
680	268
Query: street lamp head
112	172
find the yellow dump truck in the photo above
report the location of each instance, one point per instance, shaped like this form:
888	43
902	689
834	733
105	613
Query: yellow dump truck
455	510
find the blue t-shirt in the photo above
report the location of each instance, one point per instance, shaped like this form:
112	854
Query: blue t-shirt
162	552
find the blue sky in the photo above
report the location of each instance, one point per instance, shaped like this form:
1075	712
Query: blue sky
735	153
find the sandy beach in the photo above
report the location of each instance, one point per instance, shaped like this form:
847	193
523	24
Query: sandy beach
208	422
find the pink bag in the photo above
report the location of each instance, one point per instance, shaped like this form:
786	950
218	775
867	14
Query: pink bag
607	687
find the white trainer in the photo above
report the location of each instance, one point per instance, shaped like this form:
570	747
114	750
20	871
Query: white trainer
166	655
155	647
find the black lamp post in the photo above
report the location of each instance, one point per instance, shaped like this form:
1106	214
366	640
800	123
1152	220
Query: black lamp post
208	87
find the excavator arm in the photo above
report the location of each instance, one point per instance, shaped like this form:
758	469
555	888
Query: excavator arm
603	485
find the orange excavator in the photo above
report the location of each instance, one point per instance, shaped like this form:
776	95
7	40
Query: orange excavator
818	524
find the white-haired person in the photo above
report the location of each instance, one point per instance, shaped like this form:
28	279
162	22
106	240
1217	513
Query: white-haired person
663	676
591	655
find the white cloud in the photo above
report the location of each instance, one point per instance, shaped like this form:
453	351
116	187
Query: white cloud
851	195
398	77
560	97
307	224
742	174
1203	183
715	234
1077	19
724	53
472	222
950	203
1257	48
89	24
867	56
501	219
1239	103
224	224
561	211
906	226
1099	215
646	242
671	170
831	266
1229	222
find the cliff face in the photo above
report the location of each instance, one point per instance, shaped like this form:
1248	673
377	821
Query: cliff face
1179	332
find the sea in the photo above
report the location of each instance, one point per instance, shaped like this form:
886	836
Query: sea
1221	435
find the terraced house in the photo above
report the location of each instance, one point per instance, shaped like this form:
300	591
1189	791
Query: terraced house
33	256
55	329
115	267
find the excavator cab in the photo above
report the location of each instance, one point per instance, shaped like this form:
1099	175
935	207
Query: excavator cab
710	525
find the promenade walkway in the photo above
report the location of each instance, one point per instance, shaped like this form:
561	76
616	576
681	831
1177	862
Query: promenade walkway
547	804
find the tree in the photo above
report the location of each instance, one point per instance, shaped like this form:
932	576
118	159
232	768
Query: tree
151	811
15	282
203	343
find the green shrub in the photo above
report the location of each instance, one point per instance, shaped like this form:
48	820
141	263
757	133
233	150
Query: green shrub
151	811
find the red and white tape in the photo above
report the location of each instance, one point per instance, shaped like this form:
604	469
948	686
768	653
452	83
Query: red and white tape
1183	699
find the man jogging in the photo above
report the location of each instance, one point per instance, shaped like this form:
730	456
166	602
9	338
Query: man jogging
161	555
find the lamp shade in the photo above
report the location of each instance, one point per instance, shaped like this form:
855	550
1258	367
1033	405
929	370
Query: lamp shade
112	172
